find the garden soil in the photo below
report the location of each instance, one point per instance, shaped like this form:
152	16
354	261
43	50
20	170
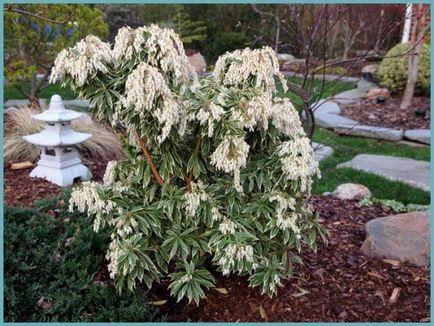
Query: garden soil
338	283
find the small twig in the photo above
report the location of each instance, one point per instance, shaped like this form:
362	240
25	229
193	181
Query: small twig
45	19
148	158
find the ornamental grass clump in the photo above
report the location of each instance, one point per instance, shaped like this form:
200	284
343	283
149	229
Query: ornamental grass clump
219	170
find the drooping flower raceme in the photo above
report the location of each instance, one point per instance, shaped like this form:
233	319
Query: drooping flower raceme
230	156
146	86
86	58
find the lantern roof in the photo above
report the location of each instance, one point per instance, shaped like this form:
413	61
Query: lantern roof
56	112
59	137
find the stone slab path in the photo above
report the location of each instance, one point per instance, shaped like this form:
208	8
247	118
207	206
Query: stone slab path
79	103
321	151
412	172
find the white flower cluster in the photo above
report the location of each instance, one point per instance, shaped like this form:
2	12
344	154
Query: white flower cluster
234	253
110	173
255	111
210	114
286	220
144	87
298	163
87	57
195	197
236	68
227	226
215	214
112	256
275	282
286	119
163	47
230	156
86	198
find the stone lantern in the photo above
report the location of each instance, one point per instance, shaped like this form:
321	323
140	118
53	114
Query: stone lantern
60	162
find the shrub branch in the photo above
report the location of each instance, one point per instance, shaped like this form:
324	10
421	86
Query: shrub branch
148	158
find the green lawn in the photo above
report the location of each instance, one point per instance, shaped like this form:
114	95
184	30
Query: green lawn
345	148
330	88
11	92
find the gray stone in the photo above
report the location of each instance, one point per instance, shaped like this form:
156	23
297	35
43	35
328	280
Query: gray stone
285	57
420	135
350	96
371	132
326	77
197	61
365	85
403	237
321	151
77	102
412	172
352	191
326	106
328	120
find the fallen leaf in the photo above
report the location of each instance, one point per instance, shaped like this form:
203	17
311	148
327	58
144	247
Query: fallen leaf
372	274
392	262
301	293
262	312
221	290
395	295
158	303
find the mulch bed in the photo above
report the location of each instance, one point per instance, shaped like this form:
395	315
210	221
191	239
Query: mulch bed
22	190
389	114
338	283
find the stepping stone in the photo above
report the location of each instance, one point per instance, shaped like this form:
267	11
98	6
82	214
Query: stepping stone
412	172
351	96
403	237
329	120
18	103
420	135
79	103
371	132
325	106
321	151
366	85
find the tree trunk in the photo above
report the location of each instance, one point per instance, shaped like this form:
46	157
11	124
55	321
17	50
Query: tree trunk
413	58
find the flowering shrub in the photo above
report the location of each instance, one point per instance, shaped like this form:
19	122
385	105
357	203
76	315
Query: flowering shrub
219	169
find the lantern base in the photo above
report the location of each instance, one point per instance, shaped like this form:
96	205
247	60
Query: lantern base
62	177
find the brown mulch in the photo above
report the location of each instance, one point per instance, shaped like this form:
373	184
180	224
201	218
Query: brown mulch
337	284
389	114
22	190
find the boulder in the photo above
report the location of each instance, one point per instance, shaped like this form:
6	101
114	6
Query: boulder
369	72
285	57
197	61
352	191
374	93
294	65
403	237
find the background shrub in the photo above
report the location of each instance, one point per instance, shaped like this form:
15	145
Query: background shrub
39	264
393	69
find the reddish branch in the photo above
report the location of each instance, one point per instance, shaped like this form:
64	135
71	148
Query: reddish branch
148	158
